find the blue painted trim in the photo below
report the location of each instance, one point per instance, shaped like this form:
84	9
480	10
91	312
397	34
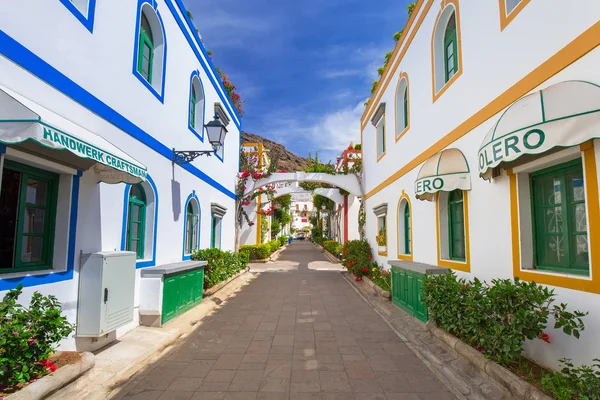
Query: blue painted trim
160	96
44	71
200	134
88	21
2	149
184	256
141	263
205	61
54	277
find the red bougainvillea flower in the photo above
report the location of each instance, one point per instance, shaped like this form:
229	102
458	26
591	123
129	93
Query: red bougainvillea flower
359	279
251	223
545	337
49	365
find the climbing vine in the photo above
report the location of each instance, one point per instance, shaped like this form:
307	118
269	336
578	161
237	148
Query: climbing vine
388	55
362	220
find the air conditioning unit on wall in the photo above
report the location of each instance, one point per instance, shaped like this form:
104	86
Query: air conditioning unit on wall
106	292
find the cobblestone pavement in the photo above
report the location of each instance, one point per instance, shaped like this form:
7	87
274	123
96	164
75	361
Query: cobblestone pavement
303	334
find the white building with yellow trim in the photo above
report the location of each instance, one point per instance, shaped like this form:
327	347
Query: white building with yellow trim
480	147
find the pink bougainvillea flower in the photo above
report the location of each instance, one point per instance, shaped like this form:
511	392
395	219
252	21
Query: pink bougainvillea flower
359	279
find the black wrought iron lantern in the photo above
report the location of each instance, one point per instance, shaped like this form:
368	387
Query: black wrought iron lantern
216	132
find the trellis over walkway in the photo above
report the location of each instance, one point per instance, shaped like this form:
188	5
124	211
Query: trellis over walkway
349	182
330	193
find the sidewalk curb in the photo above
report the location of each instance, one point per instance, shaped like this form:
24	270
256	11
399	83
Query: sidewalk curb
56	381
333	259
210	291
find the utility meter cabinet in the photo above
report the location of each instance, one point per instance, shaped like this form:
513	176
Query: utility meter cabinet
407	286
106	292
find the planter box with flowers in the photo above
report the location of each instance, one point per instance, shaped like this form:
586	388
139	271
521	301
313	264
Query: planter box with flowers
488	324
28	338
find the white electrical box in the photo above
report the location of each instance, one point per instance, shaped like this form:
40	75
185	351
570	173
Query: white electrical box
106	292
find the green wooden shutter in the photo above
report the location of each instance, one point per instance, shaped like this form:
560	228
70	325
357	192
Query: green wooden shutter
456	225
560	219
213	232
450	49
406	106
145	50
136	221
193	108
406	229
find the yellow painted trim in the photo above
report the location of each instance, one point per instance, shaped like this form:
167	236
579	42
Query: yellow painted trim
392	67
445	4
384	138
505	18
585	284
457	265
408	257
583	44
403	75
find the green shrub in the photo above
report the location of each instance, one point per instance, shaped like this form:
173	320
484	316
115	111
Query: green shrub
282	240
498	317
28	336
381	277
333	247
357	258
256	251
574	382
274	246
221	266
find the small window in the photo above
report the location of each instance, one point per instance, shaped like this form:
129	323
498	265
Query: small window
407	233
402	107
136	226
193	108
192	225
560	219
196	106
82	6
150	50
146	50
456	225
28	198
215	236
382	234
381	137
404	234
83	10
511	5
450	49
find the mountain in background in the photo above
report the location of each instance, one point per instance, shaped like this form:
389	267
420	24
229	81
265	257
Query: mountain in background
286	160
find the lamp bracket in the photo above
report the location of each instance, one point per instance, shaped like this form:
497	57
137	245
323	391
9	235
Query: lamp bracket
181	157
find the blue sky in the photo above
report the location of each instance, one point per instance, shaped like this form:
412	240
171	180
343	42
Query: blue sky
304	68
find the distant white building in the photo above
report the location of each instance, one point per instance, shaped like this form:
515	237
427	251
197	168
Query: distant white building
301	210
94	97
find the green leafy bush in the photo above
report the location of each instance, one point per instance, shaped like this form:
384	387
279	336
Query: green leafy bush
333	247
282	240
357	258
28	336
256	251
274	246
381	277
574	382
496	318
221	266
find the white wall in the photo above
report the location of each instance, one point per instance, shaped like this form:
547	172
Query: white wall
114	104
492	62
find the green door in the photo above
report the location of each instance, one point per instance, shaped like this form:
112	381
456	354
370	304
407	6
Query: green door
181	292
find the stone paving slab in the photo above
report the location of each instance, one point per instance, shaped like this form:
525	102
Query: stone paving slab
304	334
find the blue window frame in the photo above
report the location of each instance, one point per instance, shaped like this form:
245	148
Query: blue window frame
196	107
150	49
83	10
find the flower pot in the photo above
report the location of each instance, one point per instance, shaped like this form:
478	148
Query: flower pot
382	249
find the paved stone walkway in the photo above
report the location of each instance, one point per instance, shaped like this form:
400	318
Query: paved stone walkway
304	334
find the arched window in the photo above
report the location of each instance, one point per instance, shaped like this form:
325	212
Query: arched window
150	49
145	50
83	10
404	234
192	220
196	106
402	107
136	221
456	225
446	48
450	49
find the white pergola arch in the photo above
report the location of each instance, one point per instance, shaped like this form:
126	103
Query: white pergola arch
347	182
330	193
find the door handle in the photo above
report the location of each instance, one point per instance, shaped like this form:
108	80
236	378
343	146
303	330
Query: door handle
105	295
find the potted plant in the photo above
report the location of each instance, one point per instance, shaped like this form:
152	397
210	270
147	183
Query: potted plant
381	241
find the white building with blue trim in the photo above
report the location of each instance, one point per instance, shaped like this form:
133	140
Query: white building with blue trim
94	98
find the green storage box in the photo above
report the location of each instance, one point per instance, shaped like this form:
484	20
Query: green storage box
407	286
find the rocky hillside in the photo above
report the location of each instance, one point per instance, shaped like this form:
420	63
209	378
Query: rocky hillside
286	160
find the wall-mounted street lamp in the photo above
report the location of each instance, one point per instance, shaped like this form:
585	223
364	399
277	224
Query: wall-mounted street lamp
216	133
